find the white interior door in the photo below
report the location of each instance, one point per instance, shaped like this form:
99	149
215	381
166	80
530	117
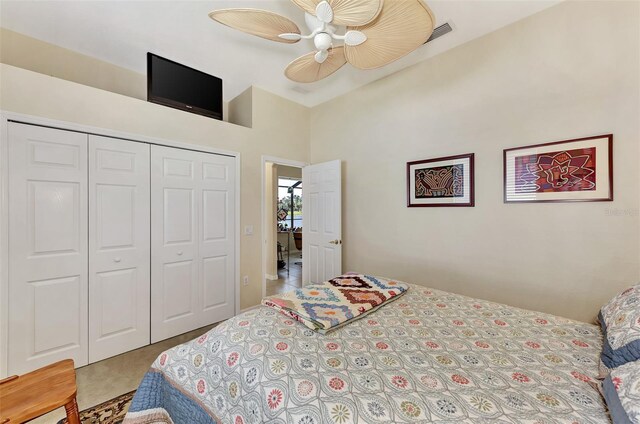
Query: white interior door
174	243
47	247
322	229
216	234
119	246
192	241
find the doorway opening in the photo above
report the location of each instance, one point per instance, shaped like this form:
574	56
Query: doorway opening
283	220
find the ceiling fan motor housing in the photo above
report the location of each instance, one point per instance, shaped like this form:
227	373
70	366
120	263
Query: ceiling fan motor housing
322	41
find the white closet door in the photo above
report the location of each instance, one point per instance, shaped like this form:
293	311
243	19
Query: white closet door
192	241
47	247
119	246
174	243
217	238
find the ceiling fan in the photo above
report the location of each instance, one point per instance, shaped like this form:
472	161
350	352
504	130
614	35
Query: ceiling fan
372	33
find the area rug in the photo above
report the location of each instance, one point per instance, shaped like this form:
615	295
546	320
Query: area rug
109	412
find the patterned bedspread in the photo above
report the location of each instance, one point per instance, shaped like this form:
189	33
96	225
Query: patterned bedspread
430	356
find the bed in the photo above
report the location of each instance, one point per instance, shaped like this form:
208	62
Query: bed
429	356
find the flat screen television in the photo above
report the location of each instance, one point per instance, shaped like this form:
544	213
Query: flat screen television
178	86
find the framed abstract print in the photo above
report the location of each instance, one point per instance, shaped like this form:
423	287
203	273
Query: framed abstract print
579	170
446	181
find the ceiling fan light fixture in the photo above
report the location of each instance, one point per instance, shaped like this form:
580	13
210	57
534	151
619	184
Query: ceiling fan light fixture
322	41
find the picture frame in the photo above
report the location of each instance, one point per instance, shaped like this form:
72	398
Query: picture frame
576	170
440	182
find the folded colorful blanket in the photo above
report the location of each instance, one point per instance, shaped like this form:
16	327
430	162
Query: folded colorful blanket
337	302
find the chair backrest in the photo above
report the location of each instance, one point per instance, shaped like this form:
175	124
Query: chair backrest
297	238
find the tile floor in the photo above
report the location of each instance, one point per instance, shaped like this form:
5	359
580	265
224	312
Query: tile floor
115	376
290	281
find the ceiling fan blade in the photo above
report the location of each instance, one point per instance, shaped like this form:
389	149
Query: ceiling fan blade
346	12
355	12
401	27
261	23
307	69
308	6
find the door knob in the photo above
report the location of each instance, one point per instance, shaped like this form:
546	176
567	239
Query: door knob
116	259
336	242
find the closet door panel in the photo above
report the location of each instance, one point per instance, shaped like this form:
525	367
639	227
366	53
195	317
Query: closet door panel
47	247
119	239
174	241
217	238
193	240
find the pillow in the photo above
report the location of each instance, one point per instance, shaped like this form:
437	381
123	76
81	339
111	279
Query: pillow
621	390
620	321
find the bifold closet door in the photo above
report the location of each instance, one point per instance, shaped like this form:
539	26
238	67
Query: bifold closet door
192	240
119	246
47	247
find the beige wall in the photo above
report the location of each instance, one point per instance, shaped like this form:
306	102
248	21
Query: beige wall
29	53
549	77
240	109
570	71
39	56
36	94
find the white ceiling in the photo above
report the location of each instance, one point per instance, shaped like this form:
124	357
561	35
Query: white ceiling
121	32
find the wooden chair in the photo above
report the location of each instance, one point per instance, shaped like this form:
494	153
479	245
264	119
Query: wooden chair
25	397
297	238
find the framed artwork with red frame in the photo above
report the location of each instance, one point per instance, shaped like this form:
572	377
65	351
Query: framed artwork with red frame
578	170
446	181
